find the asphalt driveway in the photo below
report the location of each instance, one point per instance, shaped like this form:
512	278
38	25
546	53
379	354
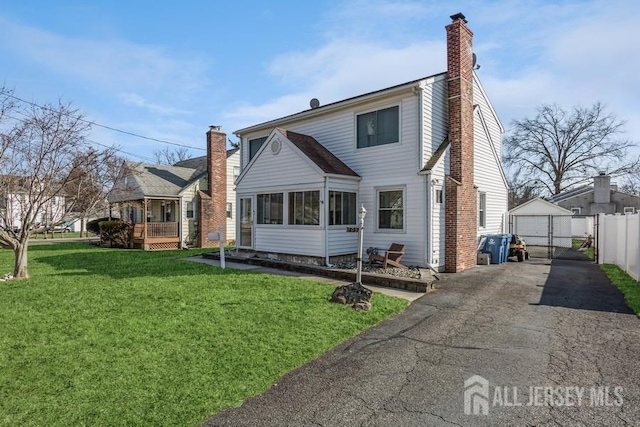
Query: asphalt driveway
554	341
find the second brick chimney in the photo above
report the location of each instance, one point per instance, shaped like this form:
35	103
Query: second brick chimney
212	211
461	214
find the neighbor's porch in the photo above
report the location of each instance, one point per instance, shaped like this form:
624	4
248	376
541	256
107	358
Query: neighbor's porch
156	223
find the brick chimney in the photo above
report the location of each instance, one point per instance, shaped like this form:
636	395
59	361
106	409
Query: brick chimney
212	211
461	208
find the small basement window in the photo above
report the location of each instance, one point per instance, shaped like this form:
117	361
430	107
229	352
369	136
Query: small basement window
629	210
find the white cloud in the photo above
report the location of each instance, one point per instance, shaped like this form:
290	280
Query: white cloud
339	70
137	100
582	55
113	64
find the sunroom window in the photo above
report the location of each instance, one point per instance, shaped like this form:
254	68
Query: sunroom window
342	208
304	208
270	208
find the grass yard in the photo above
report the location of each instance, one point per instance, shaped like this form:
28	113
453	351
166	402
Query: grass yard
589	252
119	337
629	287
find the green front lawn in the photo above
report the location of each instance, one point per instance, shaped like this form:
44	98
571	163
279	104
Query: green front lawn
629	287
121	337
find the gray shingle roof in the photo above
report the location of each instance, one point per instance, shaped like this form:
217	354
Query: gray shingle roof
200	163
146	179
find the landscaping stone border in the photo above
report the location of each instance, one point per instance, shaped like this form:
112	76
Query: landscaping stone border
407	284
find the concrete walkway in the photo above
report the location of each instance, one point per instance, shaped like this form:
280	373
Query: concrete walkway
398	293
521	326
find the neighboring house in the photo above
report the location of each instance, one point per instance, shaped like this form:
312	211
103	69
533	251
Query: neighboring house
601	197
14	205
176	206
422	157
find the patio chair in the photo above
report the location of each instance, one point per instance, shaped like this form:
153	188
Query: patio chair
391	256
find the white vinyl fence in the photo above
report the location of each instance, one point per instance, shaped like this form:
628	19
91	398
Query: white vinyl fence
619	242
582	227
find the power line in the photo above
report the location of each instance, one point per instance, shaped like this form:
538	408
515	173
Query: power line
148	159
105	126
111	147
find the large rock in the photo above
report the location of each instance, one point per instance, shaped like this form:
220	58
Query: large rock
353	294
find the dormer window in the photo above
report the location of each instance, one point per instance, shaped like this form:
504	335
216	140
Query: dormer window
254	146
378	127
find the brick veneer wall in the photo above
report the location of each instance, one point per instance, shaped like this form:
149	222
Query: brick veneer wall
212	209
461	207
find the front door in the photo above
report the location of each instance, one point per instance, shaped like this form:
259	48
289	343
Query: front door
246	223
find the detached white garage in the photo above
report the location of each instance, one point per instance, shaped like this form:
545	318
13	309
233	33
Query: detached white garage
541	223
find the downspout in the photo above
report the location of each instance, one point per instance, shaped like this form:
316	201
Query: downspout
429	220
419	92
324	214
181	223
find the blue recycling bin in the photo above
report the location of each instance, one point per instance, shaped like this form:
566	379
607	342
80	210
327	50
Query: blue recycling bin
494	246
506	241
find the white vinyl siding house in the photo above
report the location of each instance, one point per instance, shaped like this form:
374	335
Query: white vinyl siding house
233	170
387	169
489	175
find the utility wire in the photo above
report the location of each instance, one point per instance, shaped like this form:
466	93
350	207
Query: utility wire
105	126
111	147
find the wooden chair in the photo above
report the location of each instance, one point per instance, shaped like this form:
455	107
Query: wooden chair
391	256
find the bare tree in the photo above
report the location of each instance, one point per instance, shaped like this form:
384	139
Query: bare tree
630	184
167	156
91	180
521	189
42	145
559	149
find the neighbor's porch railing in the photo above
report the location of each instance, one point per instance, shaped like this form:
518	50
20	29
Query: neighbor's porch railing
156	229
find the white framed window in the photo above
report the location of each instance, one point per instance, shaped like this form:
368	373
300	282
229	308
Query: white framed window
269	208
342	208
439	196
629	210
191	210
576	211
229	210
236	173
304	208
378	127
482	210
254	146
390	209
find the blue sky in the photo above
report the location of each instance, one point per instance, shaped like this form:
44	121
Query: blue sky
168	70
